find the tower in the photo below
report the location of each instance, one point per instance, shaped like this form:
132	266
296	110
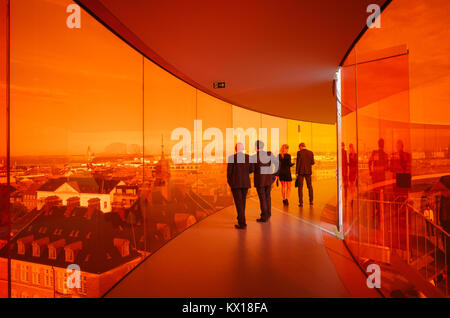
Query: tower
162	173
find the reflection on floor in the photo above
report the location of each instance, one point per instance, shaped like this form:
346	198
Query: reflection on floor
282	258
322	213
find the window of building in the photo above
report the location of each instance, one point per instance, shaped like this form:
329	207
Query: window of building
14	272
20	248
36	276
84	285
60	282
69	255
48	279
25	273
64	283
52	253
36	251
125	250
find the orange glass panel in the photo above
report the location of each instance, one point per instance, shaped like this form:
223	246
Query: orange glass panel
76	155
4	131
247	119
216	116
349	150
397	76
270	122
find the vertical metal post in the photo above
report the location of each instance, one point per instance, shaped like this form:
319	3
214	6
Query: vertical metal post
144	186
446	264
426	252
417	244
339	154
407	236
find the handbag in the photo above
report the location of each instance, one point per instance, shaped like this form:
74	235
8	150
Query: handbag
296	183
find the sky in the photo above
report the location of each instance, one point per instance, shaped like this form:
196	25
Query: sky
77	88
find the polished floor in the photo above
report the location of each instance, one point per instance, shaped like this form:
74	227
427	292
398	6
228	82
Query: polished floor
322	213
286	257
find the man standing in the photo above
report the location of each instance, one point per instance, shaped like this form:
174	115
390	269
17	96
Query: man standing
305	161
238	170
378	163
344	169
264	176
378	166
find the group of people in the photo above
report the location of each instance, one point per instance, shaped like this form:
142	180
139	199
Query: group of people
379	164
303	171
266	168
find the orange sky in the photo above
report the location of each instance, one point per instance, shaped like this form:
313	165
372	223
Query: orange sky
70	88
74	88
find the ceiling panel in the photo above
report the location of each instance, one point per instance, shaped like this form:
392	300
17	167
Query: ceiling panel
277	57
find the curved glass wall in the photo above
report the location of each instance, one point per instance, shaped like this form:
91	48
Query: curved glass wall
4	148
111	156
395	151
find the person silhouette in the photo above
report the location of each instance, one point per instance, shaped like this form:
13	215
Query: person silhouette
344	169
400	166
303	171
264	176
378	165
284	173
352	171
238	178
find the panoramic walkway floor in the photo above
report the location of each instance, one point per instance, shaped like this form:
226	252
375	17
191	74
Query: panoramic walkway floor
285	257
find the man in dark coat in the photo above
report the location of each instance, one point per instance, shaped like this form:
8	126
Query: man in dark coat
303	170
238	171
266	166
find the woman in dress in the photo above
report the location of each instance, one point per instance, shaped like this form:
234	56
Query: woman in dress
284	173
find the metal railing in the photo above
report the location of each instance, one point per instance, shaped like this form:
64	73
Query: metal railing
397	226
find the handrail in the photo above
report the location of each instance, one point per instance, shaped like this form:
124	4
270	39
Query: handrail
432	223
407	203
411	235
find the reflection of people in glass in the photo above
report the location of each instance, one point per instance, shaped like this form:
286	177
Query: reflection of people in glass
378	165
344	169
305	161
284	173
238	179
400	167
352	170
263	180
